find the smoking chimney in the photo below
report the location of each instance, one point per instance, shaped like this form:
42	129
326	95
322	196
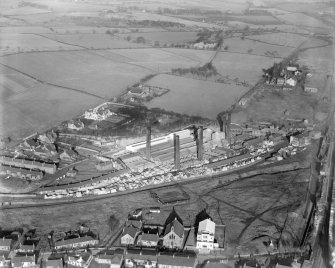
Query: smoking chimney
176	151
148	145
200	143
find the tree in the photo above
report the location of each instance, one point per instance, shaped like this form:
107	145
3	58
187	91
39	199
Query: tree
140	39
128	38
225	48
156	44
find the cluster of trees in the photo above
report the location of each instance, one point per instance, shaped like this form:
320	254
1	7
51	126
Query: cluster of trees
36	5
190	11
205	71
153	23
112	32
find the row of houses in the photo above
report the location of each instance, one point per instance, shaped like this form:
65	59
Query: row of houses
173	236
28	164
22	173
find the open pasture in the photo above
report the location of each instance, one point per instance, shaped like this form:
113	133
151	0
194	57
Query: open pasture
160	60
164	37
245	67
317	59
194	97
256	20
80	70
302	20
15	42
94	40
253	47
38	108
281	39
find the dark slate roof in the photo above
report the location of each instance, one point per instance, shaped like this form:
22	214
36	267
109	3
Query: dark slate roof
135	223
130	230
137	254
183	260
148	237
176	227
54	263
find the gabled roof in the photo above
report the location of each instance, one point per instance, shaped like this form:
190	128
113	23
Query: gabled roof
148	237
181	260
176	227
54	263
131	231
135	223
114	259
137	254
21	259
74	241
190	241
206	226
4	242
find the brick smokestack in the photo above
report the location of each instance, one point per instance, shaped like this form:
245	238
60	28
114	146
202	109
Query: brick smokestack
148	145
200	143
219	119
176	151
227	128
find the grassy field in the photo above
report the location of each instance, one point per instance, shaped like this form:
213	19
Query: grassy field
15	42
164	37
94	40
301	19
282	39
245	67
80	70
253	47
194	97
317	59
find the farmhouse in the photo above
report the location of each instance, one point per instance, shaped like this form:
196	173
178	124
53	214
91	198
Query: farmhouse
23	261
54	263
174	235
76	242
175	260
291	82
205	235
5	244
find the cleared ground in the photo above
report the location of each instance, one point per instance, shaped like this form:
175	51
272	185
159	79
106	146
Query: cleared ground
248	209
194	97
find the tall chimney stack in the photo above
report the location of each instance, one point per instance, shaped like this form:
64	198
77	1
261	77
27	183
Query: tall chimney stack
228	134
148	145
176	151
200	143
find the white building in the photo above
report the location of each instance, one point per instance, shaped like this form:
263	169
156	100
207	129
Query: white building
205	235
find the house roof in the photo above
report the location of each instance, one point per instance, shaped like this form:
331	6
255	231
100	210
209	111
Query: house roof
190	241
182	260
21	259
27	247
176	227
114	259
135	223
148	237
137	254
4	242
131	231
74	241
54	263
207	226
